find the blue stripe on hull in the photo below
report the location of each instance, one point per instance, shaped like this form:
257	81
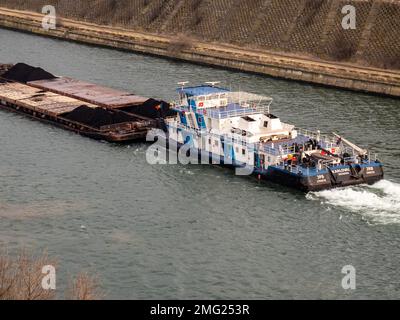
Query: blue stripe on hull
308	179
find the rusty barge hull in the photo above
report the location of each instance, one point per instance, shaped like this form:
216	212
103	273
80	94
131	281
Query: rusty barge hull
141	107
75	127
52	108
89	92
88	109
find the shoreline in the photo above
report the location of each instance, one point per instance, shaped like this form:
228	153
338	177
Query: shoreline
339	75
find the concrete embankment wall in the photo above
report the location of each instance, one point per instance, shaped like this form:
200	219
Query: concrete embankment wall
303	47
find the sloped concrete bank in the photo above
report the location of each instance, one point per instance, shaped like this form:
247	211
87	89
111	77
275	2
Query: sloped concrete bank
346	76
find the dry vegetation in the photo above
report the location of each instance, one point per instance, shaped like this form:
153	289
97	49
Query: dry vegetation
343	50
21	279
310	12
180	44
84	287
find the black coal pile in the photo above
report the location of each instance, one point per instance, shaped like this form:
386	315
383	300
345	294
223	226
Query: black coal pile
97	117
151	109
24	73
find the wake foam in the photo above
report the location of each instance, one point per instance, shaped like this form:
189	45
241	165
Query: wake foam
378	203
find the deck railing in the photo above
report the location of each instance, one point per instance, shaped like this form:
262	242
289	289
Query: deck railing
329	140
228	137
217	113
278	150
243	111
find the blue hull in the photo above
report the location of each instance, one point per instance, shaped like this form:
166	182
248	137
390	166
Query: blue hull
307	179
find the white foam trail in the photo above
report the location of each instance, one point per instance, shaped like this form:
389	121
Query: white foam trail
378	203
387	187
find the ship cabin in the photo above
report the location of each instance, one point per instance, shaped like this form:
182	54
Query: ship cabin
219	110
222	115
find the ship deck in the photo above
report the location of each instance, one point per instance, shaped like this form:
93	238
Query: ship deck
55	108
38	100
89	92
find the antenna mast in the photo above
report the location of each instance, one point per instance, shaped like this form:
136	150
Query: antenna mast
212	83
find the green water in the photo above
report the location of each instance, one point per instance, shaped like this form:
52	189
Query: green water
174	231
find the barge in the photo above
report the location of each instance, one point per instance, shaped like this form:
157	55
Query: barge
88	109
141	107
238	129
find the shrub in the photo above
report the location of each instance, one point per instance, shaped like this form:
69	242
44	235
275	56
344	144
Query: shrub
21	279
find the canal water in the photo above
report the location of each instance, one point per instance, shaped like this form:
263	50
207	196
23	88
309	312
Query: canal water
175	231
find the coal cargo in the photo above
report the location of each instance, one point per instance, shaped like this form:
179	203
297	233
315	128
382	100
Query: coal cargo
143	107
86	108
72	114
151	109
24	73
98	117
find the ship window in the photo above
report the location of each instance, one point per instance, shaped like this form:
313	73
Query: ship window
266	124
243	151
209	141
